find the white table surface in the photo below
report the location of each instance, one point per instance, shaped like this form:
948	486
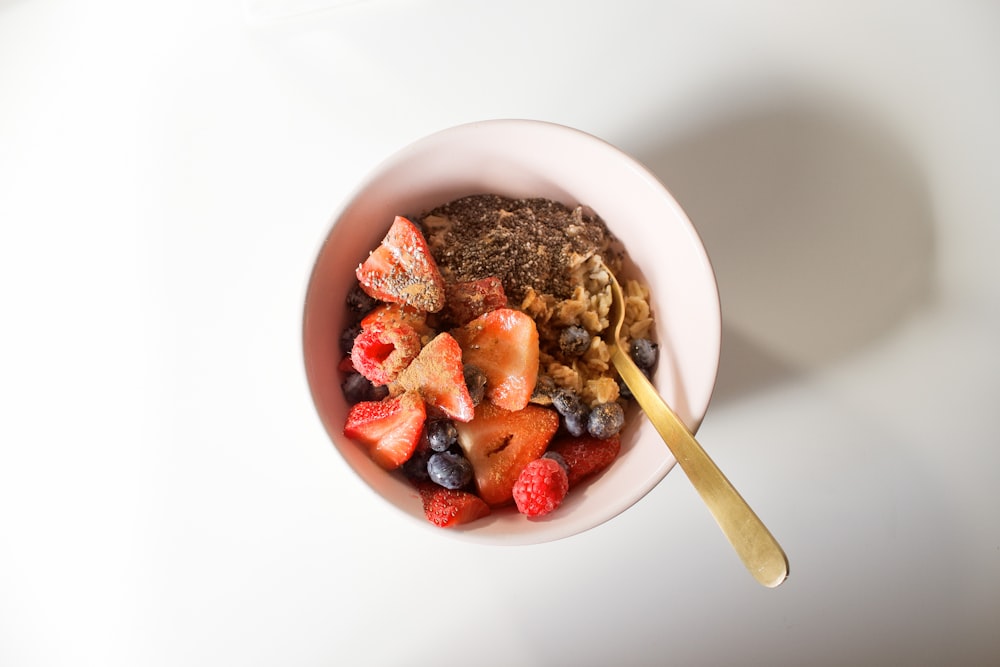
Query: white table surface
168	170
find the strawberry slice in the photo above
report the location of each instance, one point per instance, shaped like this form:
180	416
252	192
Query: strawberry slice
437	374
500	443
450	507
468	300
383	349
390	428
396	314
586	455
504	344
401	270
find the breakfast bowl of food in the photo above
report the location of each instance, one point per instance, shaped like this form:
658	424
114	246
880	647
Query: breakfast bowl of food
455	330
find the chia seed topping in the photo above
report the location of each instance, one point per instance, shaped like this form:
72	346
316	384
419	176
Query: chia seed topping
526	243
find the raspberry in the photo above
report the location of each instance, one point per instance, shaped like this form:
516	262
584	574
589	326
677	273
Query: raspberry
541	487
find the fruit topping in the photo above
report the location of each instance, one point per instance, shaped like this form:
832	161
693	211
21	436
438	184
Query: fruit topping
357	388
441	434
499	443
382	351
438	375
587	455
606	420
415	467
644	353
395	314
540	488
401	270
572	409
468	300
450	507
558	458
475	382
358	301
504	344
390	428
449	469
574	340
347	337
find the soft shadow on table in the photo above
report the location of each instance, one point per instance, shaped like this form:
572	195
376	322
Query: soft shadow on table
819	228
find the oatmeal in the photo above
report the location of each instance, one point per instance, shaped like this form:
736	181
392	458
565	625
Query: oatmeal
475	359
548	257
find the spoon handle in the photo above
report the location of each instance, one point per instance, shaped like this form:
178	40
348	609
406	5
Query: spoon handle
757	548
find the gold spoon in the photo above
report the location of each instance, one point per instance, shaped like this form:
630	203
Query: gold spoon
757	548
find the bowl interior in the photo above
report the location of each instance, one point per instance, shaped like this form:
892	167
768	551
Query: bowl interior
530	159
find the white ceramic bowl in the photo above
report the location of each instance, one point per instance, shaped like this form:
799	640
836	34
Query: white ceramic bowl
522	158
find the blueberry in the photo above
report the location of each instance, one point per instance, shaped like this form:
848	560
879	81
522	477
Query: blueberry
572	409
359	301
575	423
441	434
566	402
449	469
475	380
544	387
623	391
415	467
574	341
357	388
643	352
347	337
558	458
605	420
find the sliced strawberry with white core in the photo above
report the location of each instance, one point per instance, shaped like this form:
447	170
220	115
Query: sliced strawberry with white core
390	428
437	373
504	344
500	443
402	270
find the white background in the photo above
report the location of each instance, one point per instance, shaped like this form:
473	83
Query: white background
168	171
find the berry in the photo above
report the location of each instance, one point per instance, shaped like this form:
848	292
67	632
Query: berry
347	337
449	469
394	314
415	467
475	382
499	443
357	388
468	300
574	340
540	488
402	270
566	401
391	428
624	392
450	507
606	420
438	375
504	344
545	386
574	413
441	434
382	351
643	352
359	301
575	423
558	458
586	456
